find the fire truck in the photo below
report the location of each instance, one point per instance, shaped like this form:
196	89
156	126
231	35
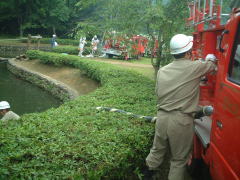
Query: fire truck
217	137
124	47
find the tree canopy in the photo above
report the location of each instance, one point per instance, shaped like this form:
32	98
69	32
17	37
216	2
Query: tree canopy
67	17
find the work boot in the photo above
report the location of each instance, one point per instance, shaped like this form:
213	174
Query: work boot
148	174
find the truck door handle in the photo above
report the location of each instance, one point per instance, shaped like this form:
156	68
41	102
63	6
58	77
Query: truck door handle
220	40
219	124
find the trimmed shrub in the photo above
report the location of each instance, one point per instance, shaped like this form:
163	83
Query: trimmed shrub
75	141
73	50
59	41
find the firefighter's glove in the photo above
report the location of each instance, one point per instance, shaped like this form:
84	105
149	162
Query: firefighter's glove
211	57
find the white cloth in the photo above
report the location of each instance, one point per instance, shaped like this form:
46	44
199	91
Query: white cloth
82	43
10	116
210	57
94	44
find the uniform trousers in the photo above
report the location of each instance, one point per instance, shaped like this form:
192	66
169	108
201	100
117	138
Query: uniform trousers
173	129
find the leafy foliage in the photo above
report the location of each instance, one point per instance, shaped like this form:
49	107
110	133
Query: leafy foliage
76	141
35	15
158	19
59	40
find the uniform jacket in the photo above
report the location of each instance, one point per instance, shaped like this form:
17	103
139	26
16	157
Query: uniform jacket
177	85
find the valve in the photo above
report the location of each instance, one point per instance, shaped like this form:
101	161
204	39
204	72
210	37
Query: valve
204	111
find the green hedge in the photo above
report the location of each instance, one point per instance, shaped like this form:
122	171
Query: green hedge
73	50
59	41
76	141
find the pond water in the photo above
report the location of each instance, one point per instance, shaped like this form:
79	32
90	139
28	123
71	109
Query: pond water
23	96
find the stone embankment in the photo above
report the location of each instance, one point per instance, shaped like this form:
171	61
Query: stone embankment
15	50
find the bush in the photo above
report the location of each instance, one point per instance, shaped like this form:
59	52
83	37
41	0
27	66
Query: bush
59	41
76	141
73	50
66	49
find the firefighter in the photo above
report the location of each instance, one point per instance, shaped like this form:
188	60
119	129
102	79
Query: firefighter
177	89
82	43
95	42
53	41
6	112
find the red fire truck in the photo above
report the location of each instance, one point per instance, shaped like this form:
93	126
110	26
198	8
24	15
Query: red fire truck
124	47
217	137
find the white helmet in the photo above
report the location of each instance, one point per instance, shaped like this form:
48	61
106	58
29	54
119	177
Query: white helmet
180	43
4	105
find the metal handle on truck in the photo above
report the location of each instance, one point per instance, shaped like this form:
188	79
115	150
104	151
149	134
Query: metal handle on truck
220	40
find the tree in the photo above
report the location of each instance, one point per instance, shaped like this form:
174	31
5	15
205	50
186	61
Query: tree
54	14
163	20
160	19
33	14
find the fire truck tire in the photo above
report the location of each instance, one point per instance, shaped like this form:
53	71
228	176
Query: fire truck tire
198	170
110	55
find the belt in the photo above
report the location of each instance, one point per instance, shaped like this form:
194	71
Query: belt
174	110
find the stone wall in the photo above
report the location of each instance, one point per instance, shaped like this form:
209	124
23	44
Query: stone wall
11	51
3	59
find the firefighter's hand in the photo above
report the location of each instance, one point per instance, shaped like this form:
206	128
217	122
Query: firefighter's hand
211	57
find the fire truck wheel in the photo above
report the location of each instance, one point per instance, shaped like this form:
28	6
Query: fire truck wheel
198	170
110	55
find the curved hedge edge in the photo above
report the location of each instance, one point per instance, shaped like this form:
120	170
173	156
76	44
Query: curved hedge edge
94	69
56	88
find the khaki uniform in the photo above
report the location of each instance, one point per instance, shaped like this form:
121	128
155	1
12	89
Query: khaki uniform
10	116
177	90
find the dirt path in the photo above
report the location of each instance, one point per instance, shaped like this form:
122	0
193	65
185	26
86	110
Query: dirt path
67	75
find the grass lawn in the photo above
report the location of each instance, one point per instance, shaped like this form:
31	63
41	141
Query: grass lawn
148	72
142	60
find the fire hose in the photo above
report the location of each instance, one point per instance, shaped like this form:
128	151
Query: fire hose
204	111
147	118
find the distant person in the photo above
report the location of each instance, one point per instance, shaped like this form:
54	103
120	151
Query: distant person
53	41
95	42
6	112
82	43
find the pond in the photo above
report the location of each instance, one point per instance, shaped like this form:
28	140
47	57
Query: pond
23	96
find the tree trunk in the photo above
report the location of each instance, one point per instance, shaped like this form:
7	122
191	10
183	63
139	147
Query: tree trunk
54	30
20	22
155	72
156	64
159	51
21	30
